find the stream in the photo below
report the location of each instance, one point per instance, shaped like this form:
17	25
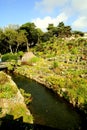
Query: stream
48	109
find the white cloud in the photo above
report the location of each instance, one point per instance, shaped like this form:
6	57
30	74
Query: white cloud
43	23
49	5
79	8
80	5
80	23
76	9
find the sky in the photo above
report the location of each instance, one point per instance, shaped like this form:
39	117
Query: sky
44	12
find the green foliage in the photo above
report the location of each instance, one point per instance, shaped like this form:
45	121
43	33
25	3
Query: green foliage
34	60
78	33
58	82
14	38
74	51
9	57
12	56
19	110
11	65
31	32
10	35
55	64
3	78
7	89
12	59
20	53
27	96
21	39
63	68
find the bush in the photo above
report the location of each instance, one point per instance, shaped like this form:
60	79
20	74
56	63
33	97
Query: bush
9	57
12	56
20	54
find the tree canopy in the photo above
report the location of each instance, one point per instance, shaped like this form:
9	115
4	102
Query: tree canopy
15	38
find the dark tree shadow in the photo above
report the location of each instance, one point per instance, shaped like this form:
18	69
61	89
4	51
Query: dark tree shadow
8	123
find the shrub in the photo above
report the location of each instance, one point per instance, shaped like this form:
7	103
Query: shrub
12	56
20	54
9	57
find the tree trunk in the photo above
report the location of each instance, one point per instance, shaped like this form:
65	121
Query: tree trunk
17	47
27	47
10	49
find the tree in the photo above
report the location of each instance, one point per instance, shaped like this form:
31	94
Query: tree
78	33
13	26
31	33
3	47
20	39
11	36
63	31
60	31
39	34
50	29
45	37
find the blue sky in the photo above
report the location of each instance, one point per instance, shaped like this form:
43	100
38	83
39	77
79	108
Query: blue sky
43	12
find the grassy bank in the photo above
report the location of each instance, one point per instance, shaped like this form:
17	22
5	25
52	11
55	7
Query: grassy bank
11	100
67	83
61	66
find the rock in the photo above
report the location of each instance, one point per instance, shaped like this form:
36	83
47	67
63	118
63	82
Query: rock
27	56
63	89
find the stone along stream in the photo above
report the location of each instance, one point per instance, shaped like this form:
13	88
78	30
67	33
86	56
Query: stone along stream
48	109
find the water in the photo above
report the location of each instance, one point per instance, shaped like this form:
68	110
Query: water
48	109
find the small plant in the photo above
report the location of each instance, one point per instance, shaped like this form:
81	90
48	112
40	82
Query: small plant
27	96
55	64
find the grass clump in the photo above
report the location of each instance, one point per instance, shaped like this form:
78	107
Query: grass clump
19	110
7	89
27	96
34	60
